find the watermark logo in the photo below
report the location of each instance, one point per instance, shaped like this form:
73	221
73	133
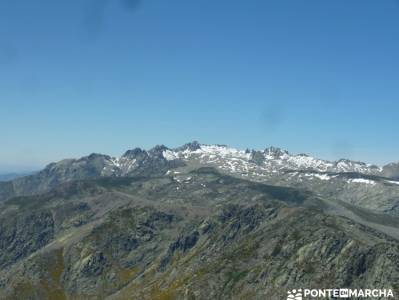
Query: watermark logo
295	295
302	294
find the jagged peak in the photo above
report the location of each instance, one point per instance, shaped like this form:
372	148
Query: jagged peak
303	155
94	156
192	146
134	152
158	150
275	151
348	161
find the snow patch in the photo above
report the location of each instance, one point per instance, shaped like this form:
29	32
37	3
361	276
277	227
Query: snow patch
169	155
362	181
322	176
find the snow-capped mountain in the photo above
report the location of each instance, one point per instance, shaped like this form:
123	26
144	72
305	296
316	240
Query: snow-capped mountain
269	161
355	182
345	179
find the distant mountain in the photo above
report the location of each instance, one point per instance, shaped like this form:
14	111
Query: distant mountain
354	182
269	160
133	162
358	183
11	176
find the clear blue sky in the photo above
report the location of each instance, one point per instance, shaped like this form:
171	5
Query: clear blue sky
82	76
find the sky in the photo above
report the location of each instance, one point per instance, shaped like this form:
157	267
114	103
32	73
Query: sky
104	76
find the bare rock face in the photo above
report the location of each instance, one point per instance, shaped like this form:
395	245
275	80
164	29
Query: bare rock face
23	234
189	234
391	170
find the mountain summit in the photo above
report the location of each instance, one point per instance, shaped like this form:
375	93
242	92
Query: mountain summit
272	165
197	222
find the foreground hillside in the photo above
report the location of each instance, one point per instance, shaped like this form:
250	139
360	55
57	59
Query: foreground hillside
197	234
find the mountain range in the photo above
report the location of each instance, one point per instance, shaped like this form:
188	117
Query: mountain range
198	222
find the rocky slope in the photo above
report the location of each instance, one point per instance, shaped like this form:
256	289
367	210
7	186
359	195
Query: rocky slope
198	222
391	170
197	234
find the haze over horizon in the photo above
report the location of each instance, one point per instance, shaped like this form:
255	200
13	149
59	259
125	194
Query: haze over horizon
106	76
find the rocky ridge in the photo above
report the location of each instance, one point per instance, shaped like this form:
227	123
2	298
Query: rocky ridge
198	234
